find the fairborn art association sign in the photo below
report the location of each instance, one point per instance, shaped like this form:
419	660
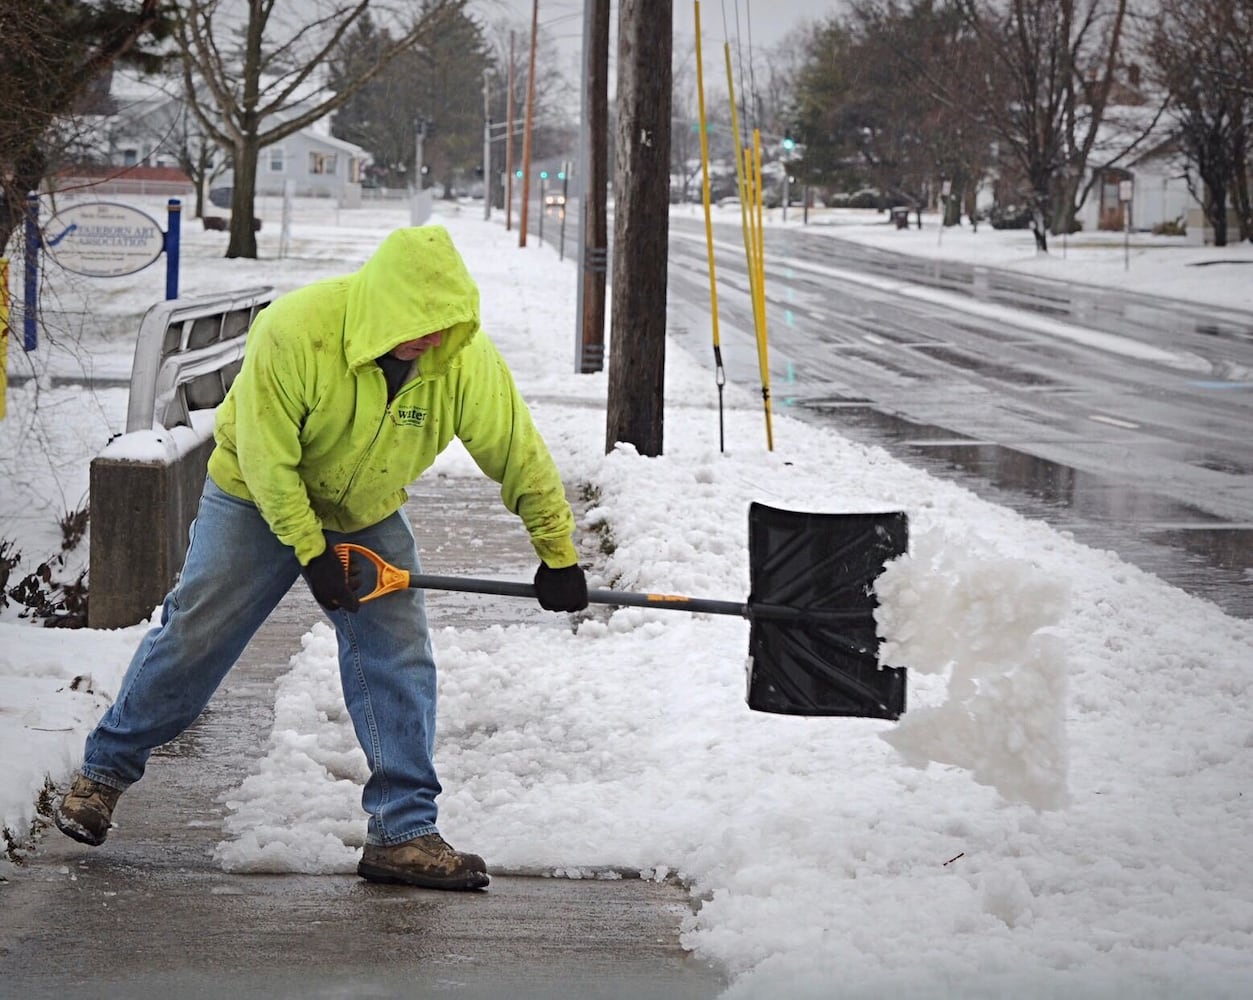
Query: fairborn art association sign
99	239
103	239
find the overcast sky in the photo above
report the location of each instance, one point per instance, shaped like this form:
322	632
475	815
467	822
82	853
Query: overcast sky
765	22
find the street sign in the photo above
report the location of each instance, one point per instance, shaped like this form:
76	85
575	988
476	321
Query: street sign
103	239
1124	190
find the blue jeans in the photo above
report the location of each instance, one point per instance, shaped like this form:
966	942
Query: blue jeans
235	572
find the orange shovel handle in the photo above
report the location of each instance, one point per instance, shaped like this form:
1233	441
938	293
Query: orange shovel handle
389	578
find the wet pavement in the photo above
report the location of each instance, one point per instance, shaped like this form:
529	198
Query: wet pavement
149	914
1188	547
1125	426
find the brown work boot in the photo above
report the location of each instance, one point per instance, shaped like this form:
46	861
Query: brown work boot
86	811
426	861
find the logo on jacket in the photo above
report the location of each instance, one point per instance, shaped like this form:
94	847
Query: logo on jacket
410	416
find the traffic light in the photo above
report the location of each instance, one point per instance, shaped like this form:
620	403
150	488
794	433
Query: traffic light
788	142
543	175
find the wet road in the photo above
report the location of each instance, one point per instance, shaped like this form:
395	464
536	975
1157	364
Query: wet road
1132	437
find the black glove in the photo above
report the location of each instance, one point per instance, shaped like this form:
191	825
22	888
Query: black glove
562	589
329	582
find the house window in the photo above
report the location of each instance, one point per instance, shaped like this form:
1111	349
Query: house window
130	157
322	163
354	170
277	163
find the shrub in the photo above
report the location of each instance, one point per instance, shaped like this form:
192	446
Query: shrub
55	603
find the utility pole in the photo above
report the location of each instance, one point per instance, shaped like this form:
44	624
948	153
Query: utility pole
419	134
487	144
509	113
589	348
526	135
641	226
417	216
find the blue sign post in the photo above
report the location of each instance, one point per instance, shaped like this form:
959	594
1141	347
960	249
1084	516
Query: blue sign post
173	235
30	334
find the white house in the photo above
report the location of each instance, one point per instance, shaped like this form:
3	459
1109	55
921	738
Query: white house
319	165
1149	192
1145	189
149	121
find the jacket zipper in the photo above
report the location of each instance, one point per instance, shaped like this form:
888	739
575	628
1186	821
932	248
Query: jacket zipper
339	501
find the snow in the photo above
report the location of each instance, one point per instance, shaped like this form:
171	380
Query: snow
160	445
1061	812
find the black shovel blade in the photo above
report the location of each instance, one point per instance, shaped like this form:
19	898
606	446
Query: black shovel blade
812	645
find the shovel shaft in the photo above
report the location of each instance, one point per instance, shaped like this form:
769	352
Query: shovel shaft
634	599
621	598
391	578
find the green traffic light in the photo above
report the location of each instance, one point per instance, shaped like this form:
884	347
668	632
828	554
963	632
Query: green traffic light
788	143
543	175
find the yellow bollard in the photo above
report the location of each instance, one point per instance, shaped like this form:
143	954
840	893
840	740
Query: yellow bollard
4	333
748	178
720	377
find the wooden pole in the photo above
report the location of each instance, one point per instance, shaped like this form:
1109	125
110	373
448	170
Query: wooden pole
526	134
641	226
509	113
594	183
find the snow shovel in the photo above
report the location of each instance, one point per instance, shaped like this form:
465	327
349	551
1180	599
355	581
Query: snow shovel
813	647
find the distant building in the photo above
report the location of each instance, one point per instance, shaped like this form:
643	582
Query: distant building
318	165
141	124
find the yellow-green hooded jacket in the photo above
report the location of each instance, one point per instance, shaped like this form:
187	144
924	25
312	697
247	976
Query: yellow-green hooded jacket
308	435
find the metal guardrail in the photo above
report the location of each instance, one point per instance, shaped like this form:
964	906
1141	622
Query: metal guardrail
187	354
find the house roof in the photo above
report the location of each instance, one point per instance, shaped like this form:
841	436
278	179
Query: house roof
135	173
338	144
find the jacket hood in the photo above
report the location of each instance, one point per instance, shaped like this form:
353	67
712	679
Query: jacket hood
414	284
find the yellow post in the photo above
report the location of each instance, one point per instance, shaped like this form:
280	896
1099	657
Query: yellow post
4	333
749	183
719	373
763	354
741	184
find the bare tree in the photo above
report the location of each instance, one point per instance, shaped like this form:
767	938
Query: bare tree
1201	52
53	55
255	81
866	106
1052	70
198	156
685	126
